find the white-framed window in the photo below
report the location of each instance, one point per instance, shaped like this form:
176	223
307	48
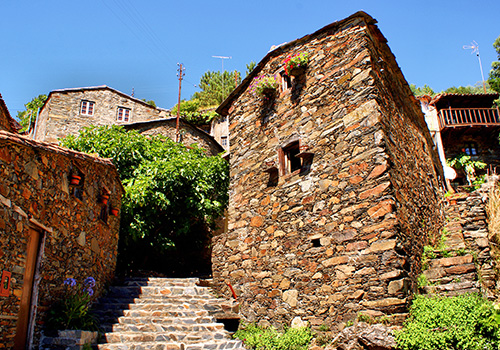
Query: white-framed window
286	82
87	108
123	114
223	141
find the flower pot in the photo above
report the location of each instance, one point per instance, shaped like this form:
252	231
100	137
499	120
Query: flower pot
268	92
75	179
114	211
303	148
296	71
104	198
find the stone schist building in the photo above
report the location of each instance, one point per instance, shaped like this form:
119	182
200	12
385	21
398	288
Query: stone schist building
189	134
334	183
66	111
7	123
59	218
464	124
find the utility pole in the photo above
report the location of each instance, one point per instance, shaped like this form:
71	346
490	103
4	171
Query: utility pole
180	74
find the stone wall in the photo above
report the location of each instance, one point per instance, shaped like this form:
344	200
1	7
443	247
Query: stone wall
61	116
335	237
189	134
35	191
6	121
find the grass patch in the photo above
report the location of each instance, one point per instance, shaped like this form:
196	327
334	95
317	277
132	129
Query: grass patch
255	337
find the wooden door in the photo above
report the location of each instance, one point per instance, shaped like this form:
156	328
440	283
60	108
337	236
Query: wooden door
23	321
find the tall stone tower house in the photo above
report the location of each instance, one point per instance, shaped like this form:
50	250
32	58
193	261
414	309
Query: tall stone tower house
334	183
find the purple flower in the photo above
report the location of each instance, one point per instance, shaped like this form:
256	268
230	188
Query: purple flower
70	282
90	291
89	282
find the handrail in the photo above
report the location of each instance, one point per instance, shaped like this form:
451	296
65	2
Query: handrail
453	117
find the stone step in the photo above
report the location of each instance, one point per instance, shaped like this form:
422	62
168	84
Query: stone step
160	281
159	290
159	312
168	336
161	304
159	326
219	345
181	321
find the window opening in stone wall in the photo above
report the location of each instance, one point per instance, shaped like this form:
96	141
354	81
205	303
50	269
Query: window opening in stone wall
471	149
223	141
87	108
103	215
123	114
316	242
291	162
286	81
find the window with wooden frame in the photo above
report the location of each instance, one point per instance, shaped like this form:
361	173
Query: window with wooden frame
223	141
286	81
289	162
123	114
87	108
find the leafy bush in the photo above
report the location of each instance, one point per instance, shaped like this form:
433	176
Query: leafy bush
461	322
72	311
169	189
295	61
256	337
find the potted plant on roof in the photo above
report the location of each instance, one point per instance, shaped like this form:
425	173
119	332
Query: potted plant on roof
75	179
264	85
296	64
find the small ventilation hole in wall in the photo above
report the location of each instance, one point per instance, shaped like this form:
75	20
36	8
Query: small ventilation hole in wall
316	243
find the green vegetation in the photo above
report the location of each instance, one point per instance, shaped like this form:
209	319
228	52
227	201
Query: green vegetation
191	111
494	77
215	87
28	116
469	166
255	337
170	191
72	310
461	322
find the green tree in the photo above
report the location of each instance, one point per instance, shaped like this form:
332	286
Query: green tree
150	102
424	90
215	87
494	78
250	67
169	189
476	89
31	111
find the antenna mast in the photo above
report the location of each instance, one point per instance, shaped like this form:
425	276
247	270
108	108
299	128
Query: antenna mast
222	74
475	49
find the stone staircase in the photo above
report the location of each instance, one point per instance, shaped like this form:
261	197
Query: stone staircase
165	313
464	263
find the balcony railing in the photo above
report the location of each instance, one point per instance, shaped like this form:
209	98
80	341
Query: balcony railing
453	117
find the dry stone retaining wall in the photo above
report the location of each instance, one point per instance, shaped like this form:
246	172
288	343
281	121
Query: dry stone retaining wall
35	190
340	236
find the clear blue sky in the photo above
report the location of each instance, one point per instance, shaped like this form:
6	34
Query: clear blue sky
54	44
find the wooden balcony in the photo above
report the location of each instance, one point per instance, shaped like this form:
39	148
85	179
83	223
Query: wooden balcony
454	117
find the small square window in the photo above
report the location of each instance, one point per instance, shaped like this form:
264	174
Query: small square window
123	114
223	141
87	108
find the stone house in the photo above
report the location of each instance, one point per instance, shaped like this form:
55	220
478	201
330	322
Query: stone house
464	124
66	111
334	184
219	129
190	134
51	227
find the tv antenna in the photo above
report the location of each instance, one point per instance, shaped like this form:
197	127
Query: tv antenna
222	74
475	49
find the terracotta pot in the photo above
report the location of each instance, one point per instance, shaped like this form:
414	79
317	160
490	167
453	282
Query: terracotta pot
75	179
104	198
114	211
